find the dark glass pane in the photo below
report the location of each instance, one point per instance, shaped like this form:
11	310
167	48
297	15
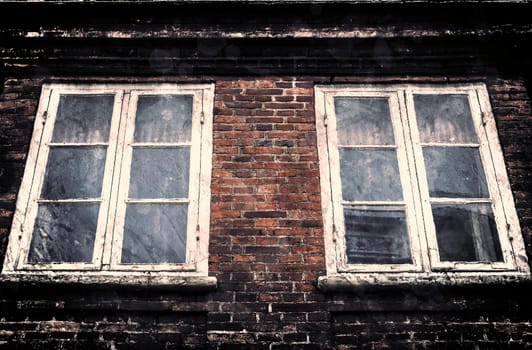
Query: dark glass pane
74	172
64	232
455	172
466	233
377	236
83	118
444	118
165	118
160	173
363	121
369	175
155	233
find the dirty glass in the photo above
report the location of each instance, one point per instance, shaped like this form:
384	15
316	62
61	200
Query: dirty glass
455	172
159	173
74	172
164	118
64	232
155	233
363	121
376	235
369	175
83	118
466	233
444	118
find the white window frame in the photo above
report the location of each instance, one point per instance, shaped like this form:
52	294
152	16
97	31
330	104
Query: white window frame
108	239
420	224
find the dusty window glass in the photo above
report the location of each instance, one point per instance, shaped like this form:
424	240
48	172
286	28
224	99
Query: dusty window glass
444	118
369	175
363	121
455	172
376	235
163	118
466	232
74	172
369	172
64	232
160	173
155	233
83	118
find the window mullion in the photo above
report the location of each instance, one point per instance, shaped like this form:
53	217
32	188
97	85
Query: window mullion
426	230
407	174
119	144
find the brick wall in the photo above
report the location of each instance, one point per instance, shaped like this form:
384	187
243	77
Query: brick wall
266	245
266	231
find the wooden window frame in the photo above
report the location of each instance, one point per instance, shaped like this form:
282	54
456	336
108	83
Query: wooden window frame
108	239
413	177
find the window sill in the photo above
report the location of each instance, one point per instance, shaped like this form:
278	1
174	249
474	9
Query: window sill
342	283
135	281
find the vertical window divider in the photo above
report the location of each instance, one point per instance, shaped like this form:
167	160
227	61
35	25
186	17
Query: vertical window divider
415	190
116	176
123	178
107	182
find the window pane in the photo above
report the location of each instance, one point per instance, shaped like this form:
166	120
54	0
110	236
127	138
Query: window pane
74	172
466	233
455	172
155	233
363	121
444	118
64	232
369	175
160	173
83	118
377	235
163	118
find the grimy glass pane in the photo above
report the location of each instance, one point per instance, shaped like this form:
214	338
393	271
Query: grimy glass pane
369	175
74	172
164	118
155	233
363	121
455	172
64	232
444	118
466	233
159	173
83	118
377	235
